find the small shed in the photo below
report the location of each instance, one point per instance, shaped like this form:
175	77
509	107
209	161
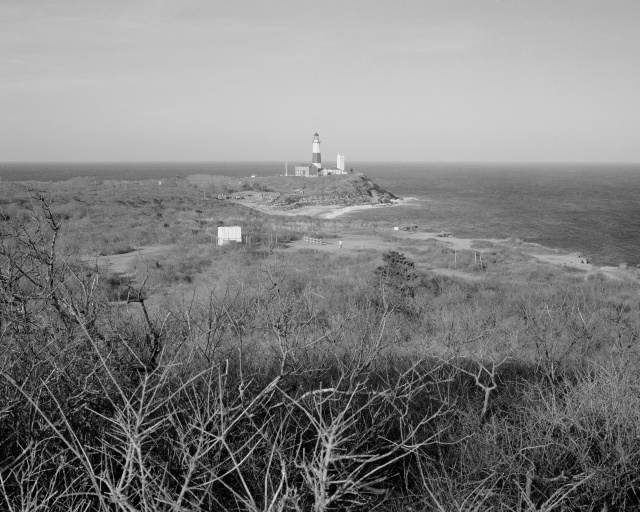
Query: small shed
227	234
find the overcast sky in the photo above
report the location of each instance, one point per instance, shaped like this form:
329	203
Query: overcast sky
431	80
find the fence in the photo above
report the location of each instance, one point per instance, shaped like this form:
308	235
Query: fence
312	241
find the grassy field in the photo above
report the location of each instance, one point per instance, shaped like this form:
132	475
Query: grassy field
258	377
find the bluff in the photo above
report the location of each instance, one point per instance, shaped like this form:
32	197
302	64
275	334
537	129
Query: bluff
289	192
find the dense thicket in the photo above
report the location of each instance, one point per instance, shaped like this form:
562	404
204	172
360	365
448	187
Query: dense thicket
311	382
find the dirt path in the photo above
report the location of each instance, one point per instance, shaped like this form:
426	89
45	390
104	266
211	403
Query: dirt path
457	244
350	243
123	264
355	243
375	242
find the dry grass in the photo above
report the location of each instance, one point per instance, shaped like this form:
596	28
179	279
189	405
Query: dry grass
307	382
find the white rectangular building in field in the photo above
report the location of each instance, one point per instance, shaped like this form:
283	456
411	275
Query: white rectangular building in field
340	164
228	234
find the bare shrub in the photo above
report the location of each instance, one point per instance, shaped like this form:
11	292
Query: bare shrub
297	382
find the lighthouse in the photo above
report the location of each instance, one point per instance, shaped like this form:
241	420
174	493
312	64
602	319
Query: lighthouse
315	157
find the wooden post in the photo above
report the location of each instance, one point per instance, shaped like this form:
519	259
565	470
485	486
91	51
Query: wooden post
455	259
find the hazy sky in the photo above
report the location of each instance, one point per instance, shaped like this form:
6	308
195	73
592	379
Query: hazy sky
435	80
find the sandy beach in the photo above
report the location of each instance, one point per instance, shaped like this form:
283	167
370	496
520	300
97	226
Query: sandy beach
338	211
320	211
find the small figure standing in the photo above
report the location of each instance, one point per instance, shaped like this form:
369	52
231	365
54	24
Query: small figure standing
340	243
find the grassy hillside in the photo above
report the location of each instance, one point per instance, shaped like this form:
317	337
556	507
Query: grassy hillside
111	217
259	377
355	185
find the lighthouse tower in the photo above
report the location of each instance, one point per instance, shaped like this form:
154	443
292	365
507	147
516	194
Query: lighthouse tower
315	158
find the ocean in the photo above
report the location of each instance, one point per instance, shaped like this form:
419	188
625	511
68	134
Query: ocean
591	208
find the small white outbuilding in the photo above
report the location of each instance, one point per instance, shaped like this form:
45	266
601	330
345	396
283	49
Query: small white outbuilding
228	234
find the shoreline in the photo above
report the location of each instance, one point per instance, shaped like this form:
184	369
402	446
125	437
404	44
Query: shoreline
320	211
340	211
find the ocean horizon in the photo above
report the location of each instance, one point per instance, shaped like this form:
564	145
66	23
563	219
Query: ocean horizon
586	207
